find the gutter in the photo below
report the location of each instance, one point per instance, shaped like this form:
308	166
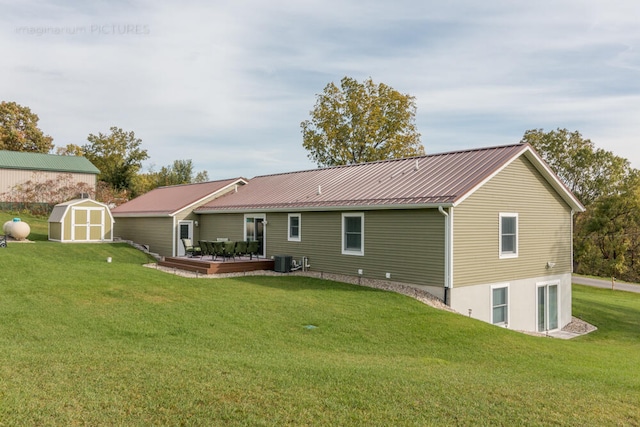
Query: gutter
319	208
448	254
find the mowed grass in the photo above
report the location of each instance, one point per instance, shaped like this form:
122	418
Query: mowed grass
86	342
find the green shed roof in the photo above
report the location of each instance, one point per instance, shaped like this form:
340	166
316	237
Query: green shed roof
45	162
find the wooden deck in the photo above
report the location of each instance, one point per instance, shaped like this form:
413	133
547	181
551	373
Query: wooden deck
207	266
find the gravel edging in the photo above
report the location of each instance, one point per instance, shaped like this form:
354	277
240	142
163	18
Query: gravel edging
579	326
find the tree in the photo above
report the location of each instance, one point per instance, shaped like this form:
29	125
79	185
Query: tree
117	155
608	235
589	172
70	150
361	122
180	172
19	130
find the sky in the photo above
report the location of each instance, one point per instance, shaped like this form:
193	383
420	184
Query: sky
227	83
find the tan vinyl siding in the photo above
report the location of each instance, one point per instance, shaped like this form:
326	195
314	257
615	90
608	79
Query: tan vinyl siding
155	232
544	229
55	231
409	244
80	220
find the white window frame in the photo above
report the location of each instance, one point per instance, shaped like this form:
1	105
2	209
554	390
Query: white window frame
508	304
502	254
297	238
346	251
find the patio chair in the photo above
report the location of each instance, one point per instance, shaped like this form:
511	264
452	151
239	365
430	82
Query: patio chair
218	249
230	250
206	248
252	249
241	248
190	249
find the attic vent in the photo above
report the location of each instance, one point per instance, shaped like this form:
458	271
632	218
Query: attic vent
319	190
417	165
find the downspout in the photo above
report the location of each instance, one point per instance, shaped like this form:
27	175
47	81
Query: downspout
572	245
447	255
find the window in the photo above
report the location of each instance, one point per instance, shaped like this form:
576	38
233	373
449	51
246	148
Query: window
294	228
508	235
500	305
353	233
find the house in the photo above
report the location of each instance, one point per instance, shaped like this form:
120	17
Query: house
81	220
487	230
16	168
160	218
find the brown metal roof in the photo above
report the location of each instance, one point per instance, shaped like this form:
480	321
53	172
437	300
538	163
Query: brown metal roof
437	179
165	201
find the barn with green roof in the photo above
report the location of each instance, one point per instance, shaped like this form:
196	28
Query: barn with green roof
17	168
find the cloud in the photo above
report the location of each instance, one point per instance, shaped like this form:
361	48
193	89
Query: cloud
227	83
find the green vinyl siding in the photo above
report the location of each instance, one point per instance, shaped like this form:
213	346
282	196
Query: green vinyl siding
155	232
544	229
230	226
409	244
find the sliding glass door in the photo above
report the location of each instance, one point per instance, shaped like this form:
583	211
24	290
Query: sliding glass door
254	230
547	312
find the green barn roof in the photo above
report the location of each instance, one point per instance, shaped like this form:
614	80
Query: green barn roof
45	162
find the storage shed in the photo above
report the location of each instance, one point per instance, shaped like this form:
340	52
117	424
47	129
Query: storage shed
81	220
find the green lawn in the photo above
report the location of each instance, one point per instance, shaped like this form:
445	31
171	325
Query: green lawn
85	342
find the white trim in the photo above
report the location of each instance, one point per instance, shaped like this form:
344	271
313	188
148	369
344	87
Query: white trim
200	200
179	246
174	237
297	238
349	208
502	286
502	255
451	229
343	241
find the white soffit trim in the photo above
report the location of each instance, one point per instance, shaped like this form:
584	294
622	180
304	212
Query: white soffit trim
234	183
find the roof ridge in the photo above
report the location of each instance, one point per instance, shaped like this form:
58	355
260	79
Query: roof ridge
445	153
202	183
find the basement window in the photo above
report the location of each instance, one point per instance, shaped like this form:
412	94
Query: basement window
500	305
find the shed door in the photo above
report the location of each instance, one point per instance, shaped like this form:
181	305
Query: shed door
87	224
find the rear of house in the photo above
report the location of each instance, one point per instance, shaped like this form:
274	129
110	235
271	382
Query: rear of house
512	251
162	217
489	230
398	244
